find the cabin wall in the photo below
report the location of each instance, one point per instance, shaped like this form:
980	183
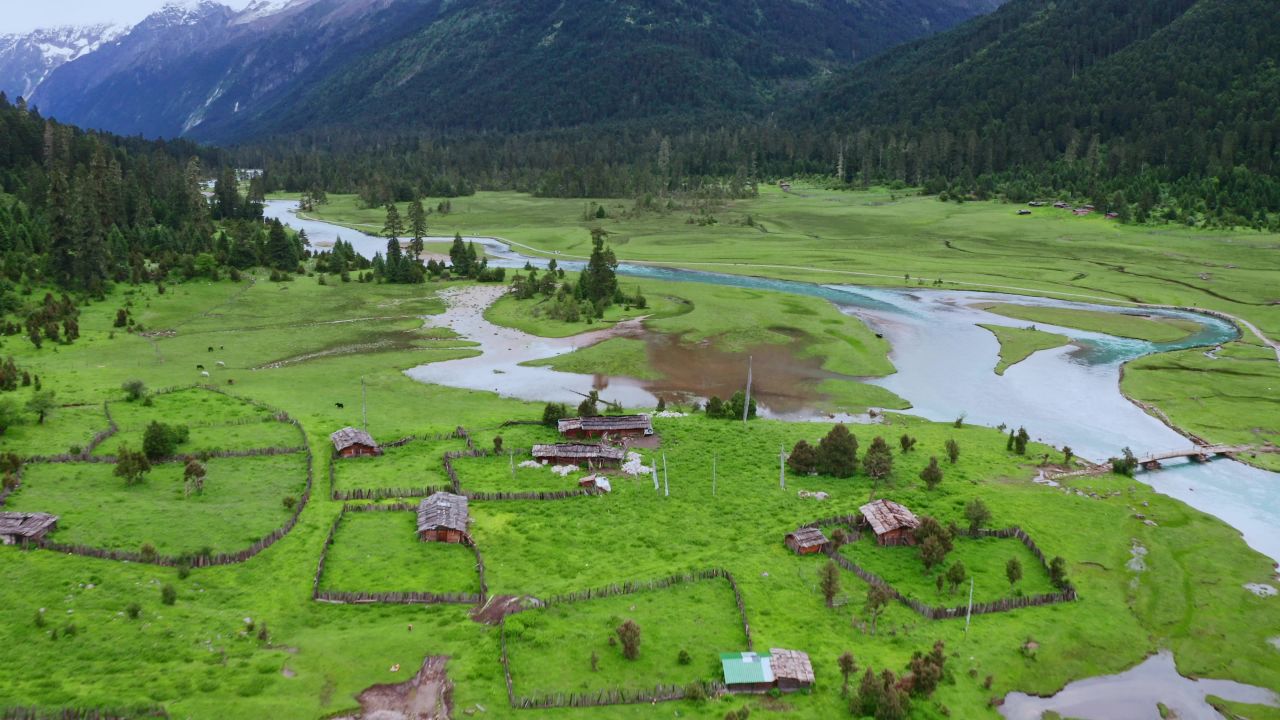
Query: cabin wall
358	451
444	536
901	536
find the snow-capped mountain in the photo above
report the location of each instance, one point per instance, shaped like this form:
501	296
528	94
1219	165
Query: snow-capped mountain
26	60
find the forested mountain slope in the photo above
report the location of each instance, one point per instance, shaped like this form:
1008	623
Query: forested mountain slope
203	71
1113	87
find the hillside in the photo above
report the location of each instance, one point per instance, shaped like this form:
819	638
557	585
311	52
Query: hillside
205	71
1188	86
513	66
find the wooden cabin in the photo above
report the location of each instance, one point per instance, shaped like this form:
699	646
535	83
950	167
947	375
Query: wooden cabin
350	442
892	523
615	425
806	541
17	528
591	456
778	669
443	517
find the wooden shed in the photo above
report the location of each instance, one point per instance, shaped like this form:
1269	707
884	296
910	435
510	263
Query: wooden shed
806	541
892	523
350	442
22	527
443	517
615	425
592	456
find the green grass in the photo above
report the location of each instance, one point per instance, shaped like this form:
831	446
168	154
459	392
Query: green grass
983	558
381	552
624	357
242	502
878	236
1018	344
1243	711
415	465
227	437
196	658
1152	328
494	474
531	315
550	649
1233	399
63	429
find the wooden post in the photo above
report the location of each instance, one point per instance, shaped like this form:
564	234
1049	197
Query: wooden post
746	406
511	455
666	479
782	467
968	614
654	470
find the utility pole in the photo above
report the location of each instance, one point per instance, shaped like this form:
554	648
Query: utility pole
511	455
969	613
782	467
746	406
666	479
654	470
364	404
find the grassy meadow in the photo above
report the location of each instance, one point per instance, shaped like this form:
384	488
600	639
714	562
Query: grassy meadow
380	552
1018	344
1152	328
246	641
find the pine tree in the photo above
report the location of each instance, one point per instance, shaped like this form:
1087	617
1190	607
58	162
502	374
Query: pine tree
838	453
281	253
458	256
417	228
878	461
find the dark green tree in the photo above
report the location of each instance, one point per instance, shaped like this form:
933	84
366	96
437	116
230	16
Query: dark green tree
838	453
878	462
977	513
931	474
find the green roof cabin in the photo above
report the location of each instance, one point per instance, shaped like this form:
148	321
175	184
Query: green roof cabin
747	672
752	672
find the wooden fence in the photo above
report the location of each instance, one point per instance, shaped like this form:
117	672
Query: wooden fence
36	713
634	586
198	561
338	597
1068	594
621	696
617	696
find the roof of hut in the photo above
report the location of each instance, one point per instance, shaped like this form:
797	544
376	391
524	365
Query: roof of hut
791	664
809	537
443	510
606	423
886	515
24	524
746	668
348	436
579	451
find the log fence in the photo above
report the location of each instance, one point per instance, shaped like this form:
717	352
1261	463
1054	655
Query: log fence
621	696
1067	594
337	597
36	713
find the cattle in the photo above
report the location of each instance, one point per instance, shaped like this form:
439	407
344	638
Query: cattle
210	348
340	406
199	367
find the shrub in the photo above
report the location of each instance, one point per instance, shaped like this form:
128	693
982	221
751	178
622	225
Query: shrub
160	440
133	389
148	551
879	459
289	501
168	594
629	635
932	474
133	610
684	658
953	451
838	453
803	459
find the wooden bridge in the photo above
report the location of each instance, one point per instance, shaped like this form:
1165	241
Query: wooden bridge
1154	461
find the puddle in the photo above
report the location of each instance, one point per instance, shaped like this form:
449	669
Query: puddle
1134	694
